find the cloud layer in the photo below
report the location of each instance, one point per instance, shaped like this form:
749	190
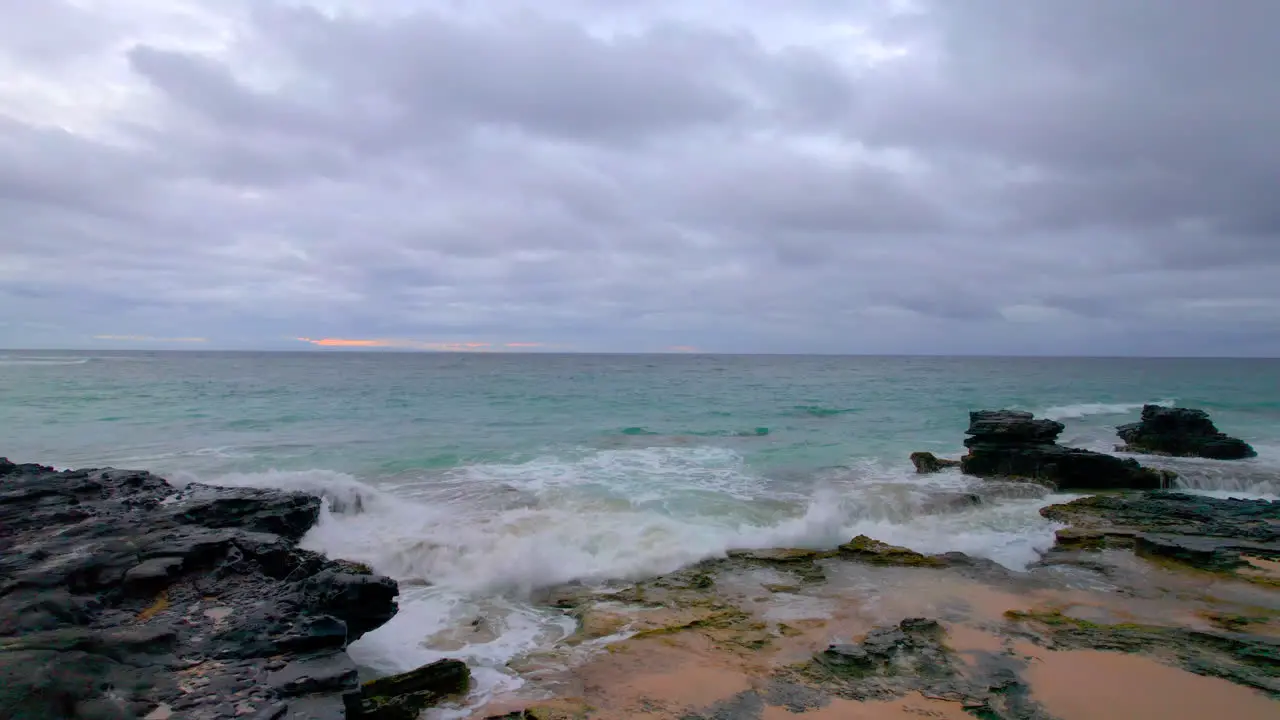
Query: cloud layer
1062	177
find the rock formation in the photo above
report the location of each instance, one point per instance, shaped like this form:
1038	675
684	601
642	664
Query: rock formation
927	462
122	596
1183	432
1208	533
1009	443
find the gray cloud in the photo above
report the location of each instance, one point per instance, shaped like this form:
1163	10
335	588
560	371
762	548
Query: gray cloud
1063	177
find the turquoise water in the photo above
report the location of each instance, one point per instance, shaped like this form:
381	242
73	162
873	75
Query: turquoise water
376	415
475	479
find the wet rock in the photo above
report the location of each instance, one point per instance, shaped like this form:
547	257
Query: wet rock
1183	432
1012	427
122	596
1172	512
875	552
1013	444
287	514
324	674
1196	550
950	502
1252	660
1207	533
927	462
150	575
404	696
365	602
889	662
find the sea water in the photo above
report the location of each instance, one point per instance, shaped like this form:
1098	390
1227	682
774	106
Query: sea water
477	479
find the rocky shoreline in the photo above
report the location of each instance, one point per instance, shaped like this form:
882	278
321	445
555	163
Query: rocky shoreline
122	596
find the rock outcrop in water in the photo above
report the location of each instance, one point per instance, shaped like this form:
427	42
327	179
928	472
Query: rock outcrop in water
1009	443
122	596
1182	432
927	462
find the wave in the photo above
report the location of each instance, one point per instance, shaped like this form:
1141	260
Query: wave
471	544
820	411
1080	410
43	361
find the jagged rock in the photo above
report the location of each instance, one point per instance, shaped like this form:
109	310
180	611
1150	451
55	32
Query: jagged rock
927	462
1013	444
1208	533
107	575
1173	513
1182	432
404	696
875	552
1011	427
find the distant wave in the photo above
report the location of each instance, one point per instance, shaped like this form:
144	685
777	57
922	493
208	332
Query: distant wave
1074	412
645	432
42	361
820	411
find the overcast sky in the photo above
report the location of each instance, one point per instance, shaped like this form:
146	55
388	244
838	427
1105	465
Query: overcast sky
868	176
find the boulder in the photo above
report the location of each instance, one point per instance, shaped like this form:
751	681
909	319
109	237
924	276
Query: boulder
1013	444
927	462
122	596
1183	432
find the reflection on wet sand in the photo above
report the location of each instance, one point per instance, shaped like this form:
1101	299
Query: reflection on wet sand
1093	685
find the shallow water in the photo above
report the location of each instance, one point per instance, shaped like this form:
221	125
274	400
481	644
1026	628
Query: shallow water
477	479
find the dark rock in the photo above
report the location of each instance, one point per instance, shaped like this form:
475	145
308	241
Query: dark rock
105	575
1182	432
364	602
1173	513
405	696
1196	550
1012	444
335	673
1208	533
1008	427
150	575
927	462
287	514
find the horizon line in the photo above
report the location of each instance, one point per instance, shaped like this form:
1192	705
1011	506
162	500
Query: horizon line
411	351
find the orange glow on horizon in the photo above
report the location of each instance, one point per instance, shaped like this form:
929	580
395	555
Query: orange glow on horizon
459	346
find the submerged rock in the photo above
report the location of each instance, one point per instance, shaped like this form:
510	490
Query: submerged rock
1182	432
122	596
927	462
1014	444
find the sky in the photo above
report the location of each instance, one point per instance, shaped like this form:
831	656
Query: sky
1079	177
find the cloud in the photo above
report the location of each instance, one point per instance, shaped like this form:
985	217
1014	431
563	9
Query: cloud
149	339
749	176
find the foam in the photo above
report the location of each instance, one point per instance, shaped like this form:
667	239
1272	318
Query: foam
487	536
1081	410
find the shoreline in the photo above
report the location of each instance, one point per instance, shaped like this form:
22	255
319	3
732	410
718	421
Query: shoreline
198	602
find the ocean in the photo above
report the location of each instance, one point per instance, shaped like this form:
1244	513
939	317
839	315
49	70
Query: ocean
477	479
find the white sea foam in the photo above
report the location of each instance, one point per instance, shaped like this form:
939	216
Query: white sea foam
600	515
1080	410
42	361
